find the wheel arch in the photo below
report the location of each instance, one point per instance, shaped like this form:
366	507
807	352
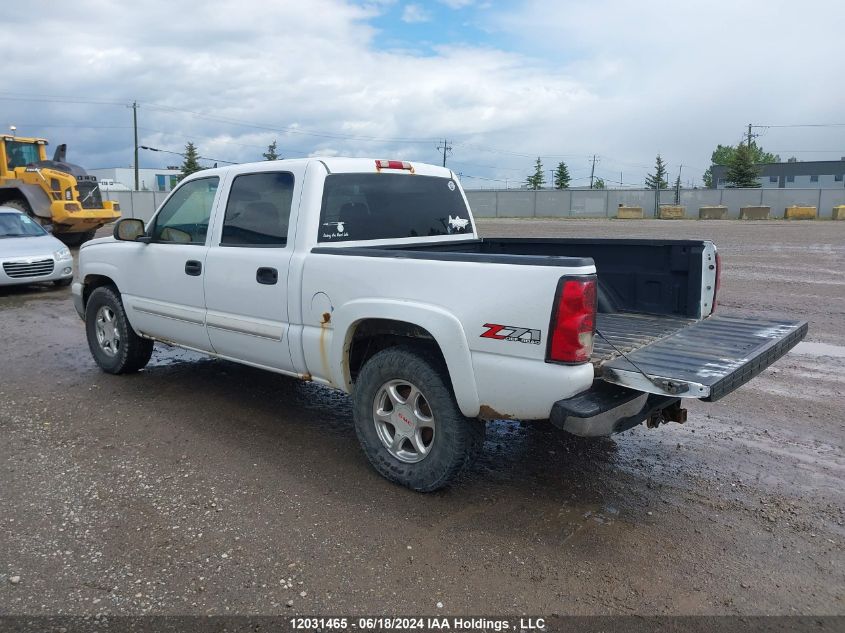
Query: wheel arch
95	280
391	323
38	201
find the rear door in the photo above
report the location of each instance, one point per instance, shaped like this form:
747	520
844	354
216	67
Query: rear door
246	287
163	293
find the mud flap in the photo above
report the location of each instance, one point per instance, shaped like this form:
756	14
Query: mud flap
707	359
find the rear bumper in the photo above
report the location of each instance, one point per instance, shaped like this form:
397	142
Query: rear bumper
606	409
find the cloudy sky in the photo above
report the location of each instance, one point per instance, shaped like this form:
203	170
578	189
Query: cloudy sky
505	82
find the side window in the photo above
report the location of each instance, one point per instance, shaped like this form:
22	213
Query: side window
184	217
258	210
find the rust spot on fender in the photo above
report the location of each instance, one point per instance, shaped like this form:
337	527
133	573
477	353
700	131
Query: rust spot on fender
327	318
489	413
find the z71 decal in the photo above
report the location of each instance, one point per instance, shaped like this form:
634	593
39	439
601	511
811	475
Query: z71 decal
511	333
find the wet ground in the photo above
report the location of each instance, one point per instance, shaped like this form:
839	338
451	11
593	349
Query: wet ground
200	486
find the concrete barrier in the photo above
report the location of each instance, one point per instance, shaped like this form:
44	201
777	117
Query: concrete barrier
712	213
629	213
754	213
838	212
799	213
671	212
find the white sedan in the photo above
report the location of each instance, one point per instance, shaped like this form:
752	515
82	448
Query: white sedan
28	254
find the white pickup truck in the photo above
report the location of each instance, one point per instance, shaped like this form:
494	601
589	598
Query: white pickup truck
369	276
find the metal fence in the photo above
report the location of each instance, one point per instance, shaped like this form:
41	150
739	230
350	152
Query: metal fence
595	203
578	203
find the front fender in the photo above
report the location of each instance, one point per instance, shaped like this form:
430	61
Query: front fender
442	325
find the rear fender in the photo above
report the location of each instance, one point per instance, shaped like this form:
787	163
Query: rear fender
443	326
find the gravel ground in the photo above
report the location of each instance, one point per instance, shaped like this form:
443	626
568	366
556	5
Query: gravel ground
199	486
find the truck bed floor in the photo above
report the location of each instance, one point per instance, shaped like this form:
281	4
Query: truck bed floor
630	331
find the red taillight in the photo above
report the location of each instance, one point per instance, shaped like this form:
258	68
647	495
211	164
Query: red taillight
573	321
394	164
718	280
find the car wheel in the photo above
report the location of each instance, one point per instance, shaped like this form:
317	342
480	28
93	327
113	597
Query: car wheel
408	422
115	346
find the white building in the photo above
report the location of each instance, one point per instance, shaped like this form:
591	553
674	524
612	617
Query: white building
159	179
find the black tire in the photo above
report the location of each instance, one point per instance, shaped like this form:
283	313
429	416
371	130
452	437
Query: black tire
75	239
456	440
132	353
63	282
20	205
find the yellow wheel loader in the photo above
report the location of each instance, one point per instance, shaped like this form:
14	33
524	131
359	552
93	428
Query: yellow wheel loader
59	195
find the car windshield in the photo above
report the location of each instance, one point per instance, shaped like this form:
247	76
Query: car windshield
19	225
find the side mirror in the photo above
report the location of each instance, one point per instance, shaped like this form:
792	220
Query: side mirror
128	229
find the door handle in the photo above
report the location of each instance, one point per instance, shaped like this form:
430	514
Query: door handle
193	268
267	276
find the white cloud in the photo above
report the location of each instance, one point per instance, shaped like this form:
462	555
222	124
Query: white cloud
415	13
599	77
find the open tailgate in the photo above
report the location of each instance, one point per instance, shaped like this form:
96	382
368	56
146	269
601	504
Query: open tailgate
706	359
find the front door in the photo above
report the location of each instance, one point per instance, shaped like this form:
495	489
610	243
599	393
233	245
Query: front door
246	289
163	293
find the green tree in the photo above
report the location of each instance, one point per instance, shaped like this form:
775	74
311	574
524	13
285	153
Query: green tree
191	163
723	154
743	170
271	154
536	180
657	180
562	176
599	183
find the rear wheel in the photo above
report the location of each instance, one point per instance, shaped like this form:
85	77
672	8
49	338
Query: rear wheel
408	422
21	205
115	346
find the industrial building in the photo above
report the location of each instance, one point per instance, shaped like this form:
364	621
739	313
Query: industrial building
811	174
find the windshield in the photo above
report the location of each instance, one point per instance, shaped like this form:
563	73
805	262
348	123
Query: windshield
390	206
21	154
19	225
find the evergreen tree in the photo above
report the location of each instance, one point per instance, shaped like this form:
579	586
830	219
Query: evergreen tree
191	163
562	176
743	170
599	183
536	180
723	154
271	154
658	178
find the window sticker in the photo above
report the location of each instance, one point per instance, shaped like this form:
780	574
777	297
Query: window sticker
339	230
458	223
451	185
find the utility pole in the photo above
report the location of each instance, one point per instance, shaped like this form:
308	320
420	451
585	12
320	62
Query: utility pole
446	148
135	129
749	136
678	187
593	171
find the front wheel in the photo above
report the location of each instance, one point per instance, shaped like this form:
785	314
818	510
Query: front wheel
408	422
115	346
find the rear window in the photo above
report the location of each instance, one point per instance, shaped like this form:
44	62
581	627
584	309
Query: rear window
390	206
